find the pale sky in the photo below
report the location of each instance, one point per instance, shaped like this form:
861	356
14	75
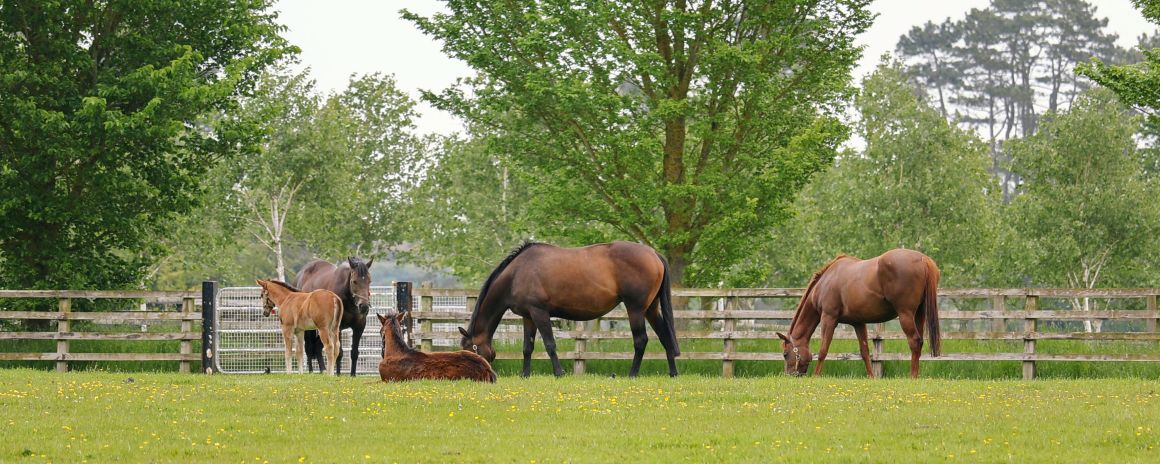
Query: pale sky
343	37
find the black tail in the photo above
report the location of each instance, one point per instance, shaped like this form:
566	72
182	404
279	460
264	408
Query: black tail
665	294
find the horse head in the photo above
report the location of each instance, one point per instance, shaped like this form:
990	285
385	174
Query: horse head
477	345
359	283
797	357
267	302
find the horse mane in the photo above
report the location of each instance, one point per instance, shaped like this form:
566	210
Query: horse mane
284	284
810	288
495	274
393	325
358	266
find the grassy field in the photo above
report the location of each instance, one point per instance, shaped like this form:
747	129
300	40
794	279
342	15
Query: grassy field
149	417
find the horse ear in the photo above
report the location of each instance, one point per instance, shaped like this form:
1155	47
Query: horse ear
401	316
382	319
369	263
783	337
464	332
350	260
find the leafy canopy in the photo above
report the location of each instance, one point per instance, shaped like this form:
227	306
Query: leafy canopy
109	119
687	126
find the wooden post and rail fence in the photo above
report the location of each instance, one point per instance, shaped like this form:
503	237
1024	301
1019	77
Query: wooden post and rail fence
723	315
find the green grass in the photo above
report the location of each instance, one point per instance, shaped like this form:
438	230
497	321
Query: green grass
981	370
148	417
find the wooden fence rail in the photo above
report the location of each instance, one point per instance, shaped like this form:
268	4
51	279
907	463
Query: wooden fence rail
64	333
729	323
725	316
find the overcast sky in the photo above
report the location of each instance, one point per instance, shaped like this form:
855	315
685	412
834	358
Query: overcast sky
343	37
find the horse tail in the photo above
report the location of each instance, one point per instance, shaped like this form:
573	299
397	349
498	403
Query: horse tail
336	326
929	306
665	294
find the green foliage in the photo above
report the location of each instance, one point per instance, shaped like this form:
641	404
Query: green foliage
325	180
1087	213
920	183
467	212
687	127
1137	84
998	68
108	126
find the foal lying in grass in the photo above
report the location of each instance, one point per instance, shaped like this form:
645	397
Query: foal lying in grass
401	362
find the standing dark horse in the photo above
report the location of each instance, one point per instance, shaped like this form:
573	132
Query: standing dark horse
538	281
899	283
351	281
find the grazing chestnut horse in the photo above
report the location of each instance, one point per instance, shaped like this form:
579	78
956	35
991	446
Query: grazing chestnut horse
299	311
351	281
539	281
899	283
401	362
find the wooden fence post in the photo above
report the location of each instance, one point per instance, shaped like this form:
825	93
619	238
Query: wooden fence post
63	326
730	344
426	303
208	314
1029	327
998	304
578	366
876	365
1151	307
186	327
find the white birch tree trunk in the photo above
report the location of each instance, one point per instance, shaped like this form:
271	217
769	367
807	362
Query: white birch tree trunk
272	221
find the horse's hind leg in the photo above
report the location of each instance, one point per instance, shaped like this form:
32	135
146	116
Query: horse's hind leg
658	324
529	344
544	324
913	338
328	338
863	347
639	339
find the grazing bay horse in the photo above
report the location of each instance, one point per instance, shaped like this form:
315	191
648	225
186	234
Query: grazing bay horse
899	284
298	311
402	362
539	281
351	281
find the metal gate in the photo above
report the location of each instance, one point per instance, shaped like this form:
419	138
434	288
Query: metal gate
248	343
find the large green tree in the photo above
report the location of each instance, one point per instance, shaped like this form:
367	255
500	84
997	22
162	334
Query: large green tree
325	180
998	68
1137	84
107	122
685	125
468	211
1087	213
920	183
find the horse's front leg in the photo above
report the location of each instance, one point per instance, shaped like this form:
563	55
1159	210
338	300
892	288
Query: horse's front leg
288	343
529	344
356	332
544	324
828	325
864	348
